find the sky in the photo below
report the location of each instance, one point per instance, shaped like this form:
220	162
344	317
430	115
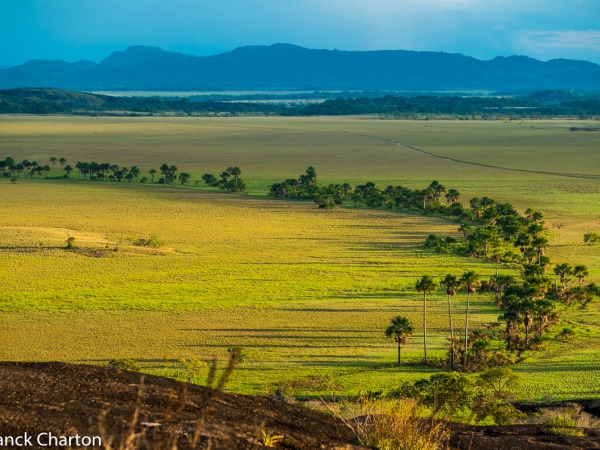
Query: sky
91	29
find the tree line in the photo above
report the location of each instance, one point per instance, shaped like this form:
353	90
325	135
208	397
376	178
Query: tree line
489	229
528	311
166	174
536	104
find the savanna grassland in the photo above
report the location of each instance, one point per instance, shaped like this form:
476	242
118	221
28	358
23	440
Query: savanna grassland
306	292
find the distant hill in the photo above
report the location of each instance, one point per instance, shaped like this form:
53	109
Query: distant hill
289	67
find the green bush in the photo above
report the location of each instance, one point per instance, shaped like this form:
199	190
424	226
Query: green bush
152	241
125	364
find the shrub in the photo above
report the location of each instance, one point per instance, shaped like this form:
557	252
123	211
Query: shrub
70	242
566	334
191	369
564	426
591	238
125	364
325	202
153	241
269	439
239	351
567	420
392	424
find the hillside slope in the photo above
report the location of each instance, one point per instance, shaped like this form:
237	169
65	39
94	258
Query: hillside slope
69	400
76	399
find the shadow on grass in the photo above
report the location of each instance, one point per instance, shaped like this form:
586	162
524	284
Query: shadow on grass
272	345
278	330
31	249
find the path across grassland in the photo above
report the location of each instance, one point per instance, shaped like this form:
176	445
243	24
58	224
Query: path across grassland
473	163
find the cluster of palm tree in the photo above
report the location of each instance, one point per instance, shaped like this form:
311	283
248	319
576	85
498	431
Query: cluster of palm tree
106	172
570	292
492	230
94	171
528	311
305	187
11	168
434	198
451	283
229	180
401	328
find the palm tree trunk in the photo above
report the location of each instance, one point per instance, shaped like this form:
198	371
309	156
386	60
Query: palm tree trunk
425	325
451	335
467	328
398	352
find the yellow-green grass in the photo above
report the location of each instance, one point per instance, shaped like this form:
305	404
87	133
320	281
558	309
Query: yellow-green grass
307	292
351	149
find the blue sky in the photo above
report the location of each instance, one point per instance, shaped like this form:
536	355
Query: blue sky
91	29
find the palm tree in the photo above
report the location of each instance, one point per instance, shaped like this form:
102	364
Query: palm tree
527	307
452	196
502	282
236	172
62	162
152	172
135	171
400	330
184	177
164	169
511	317
523	241
425	285
470	281
451	283
580	272
563	271
540	243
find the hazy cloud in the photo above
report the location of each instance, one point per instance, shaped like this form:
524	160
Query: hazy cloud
576	39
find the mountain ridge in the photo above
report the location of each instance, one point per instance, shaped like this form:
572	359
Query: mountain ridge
290	67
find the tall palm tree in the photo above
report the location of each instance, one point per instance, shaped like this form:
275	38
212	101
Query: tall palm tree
452	284
527	307
164	170
426	285
400	330
512	318
62	162
470	281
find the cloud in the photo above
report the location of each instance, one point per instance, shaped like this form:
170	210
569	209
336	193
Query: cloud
573	39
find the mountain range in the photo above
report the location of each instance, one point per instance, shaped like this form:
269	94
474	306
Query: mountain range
289	67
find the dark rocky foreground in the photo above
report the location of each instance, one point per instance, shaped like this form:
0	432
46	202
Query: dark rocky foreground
99	401
518	437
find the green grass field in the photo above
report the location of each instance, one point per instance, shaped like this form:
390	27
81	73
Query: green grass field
306	292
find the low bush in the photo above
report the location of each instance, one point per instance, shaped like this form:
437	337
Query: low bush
125	364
